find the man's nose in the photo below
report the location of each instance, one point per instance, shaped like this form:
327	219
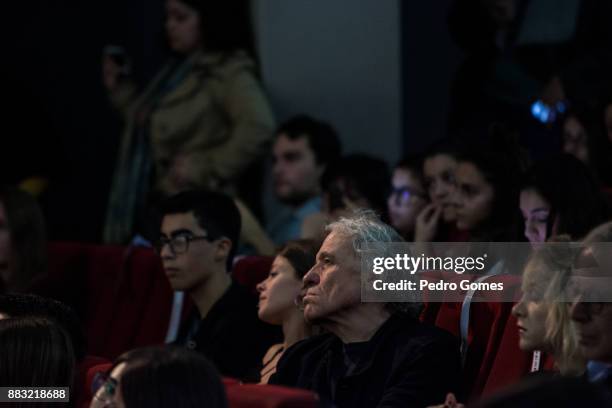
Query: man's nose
311	278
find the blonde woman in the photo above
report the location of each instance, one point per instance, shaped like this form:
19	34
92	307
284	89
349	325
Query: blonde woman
543	318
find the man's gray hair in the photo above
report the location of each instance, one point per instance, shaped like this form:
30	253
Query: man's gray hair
366	230
369	233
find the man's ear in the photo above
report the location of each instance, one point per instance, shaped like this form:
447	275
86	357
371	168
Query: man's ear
320	170
223	248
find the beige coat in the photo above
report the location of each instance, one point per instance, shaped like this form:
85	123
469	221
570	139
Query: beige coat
203	133
216	122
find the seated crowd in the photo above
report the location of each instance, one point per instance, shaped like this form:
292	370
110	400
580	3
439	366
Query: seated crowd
309	327
305	324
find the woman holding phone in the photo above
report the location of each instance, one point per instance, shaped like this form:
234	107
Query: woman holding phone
200	122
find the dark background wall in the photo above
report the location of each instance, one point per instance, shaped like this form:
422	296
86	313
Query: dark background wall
58	122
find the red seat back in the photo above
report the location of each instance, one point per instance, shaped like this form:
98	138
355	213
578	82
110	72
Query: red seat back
250	270
269	396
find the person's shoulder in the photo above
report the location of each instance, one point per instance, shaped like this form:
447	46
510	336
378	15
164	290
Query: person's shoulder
226	65
310	346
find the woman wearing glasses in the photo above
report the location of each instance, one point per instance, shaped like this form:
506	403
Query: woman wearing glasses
408	196
160	377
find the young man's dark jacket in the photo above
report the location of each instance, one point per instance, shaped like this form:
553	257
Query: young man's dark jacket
405	364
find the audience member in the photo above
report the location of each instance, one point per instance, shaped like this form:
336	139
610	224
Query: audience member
560	196
372	355
585	136
357	181
543	318
199	123
278	296
198	236
408	196
487	193
437	220
23	257
591	307
35	352
159	377
23	305
303	149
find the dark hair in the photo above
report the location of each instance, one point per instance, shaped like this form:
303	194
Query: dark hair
35	352
362	175
169	377
597	142
20	305
225	26
572	192
322	137
412	163
301	254
28	238
215	212
499	158
446	146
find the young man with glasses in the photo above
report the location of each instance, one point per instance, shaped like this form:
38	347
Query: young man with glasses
198	236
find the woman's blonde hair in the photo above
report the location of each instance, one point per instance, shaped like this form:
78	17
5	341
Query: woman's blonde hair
553	263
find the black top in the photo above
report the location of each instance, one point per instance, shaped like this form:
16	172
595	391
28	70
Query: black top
231	335
405	364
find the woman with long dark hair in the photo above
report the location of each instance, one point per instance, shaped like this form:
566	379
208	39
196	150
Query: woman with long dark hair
199	124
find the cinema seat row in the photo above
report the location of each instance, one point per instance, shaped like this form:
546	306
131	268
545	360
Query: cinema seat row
124	301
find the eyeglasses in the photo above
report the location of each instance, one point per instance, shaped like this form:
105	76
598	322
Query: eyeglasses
179	244
404	194
103	389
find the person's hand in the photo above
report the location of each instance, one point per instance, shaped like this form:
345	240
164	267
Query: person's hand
110	73
179	173
427	223
450	402
553	92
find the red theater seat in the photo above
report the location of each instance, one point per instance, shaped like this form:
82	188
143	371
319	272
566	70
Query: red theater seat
269	396
86	391
82	382
489	312
250	270
121	294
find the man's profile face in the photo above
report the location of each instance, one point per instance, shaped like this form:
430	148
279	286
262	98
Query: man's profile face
186	271
296	172
591	311
332	286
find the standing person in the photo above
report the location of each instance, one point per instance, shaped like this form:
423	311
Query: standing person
197	243
199	123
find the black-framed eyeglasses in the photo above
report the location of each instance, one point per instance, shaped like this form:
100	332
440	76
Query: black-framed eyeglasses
179	244
403	195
